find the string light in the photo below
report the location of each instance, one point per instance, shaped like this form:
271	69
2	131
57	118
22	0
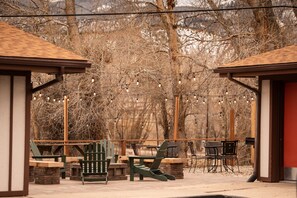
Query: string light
34	98
179	81
166	99
160	85
137	82
94	94
93	80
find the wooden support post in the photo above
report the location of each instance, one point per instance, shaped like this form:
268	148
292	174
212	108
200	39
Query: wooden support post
232	133
176	113
253	127
123	147
232	121
66	151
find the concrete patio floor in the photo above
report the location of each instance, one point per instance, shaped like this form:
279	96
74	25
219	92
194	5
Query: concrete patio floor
193	185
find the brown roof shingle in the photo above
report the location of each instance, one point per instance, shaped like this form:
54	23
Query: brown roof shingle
17	43
21	51
276	62
284	55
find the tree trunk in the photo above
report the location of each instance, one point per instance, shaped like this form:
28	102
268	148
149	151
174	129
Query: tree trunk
294	3
72	25
267	30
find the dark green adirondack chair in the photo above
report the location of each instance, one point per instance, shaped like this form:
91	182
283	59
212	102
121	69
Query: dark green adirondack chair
38	157
153	171
94	166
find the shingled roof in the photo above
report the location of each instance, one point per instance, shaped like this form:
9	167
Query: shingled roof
280	61
22	51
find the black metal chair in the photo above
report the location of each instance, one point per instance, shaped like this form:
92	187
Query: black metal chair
212	155
194	157
229	154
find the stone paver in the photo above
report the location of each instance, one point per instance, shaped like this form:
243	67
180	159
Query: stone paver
194	184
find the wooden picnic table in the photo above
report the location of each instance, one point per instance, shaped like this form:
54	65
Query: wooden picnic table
58	146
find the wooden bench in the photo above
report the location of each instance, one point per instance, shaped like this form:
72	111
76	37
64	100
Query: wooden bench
45	172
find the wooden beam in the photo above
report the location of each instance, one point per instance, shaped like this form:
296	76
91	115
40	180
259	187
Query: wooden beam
253	127
176	113
232	133
66	151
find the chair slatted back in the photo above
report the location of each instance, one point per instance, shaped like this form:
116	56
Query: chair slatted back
230	147
109	148
161	153
34	149
94	159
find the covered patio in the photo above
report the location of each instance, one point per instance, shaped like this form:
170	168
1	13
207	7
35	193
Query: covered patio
276	73
20	55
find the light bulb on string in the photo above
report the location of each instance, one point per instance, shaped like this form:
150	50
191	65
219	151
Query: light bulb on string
111	101
137	100
159	85
234	101
137	82
92	80
166	99
40	95
127	89
94	94
34	98
54	100
179	81
252	98
226	92
195	96
48	98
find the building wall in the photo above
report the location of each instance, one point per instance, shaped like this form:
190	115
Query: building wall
265	129
14	134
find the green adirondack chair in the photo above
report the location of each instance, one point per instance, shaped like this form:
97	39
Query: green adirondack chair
153	171
39	157
94	166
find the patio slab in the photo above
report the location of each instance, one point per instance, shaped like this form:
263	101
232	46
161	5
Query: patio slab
193	185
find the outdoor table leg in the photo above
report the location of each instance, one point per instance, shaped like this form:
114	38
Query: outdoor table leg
79	150
57	150
131	162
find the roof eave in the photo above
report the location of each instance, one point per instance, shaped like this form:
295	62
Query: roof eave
258	70
50	66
